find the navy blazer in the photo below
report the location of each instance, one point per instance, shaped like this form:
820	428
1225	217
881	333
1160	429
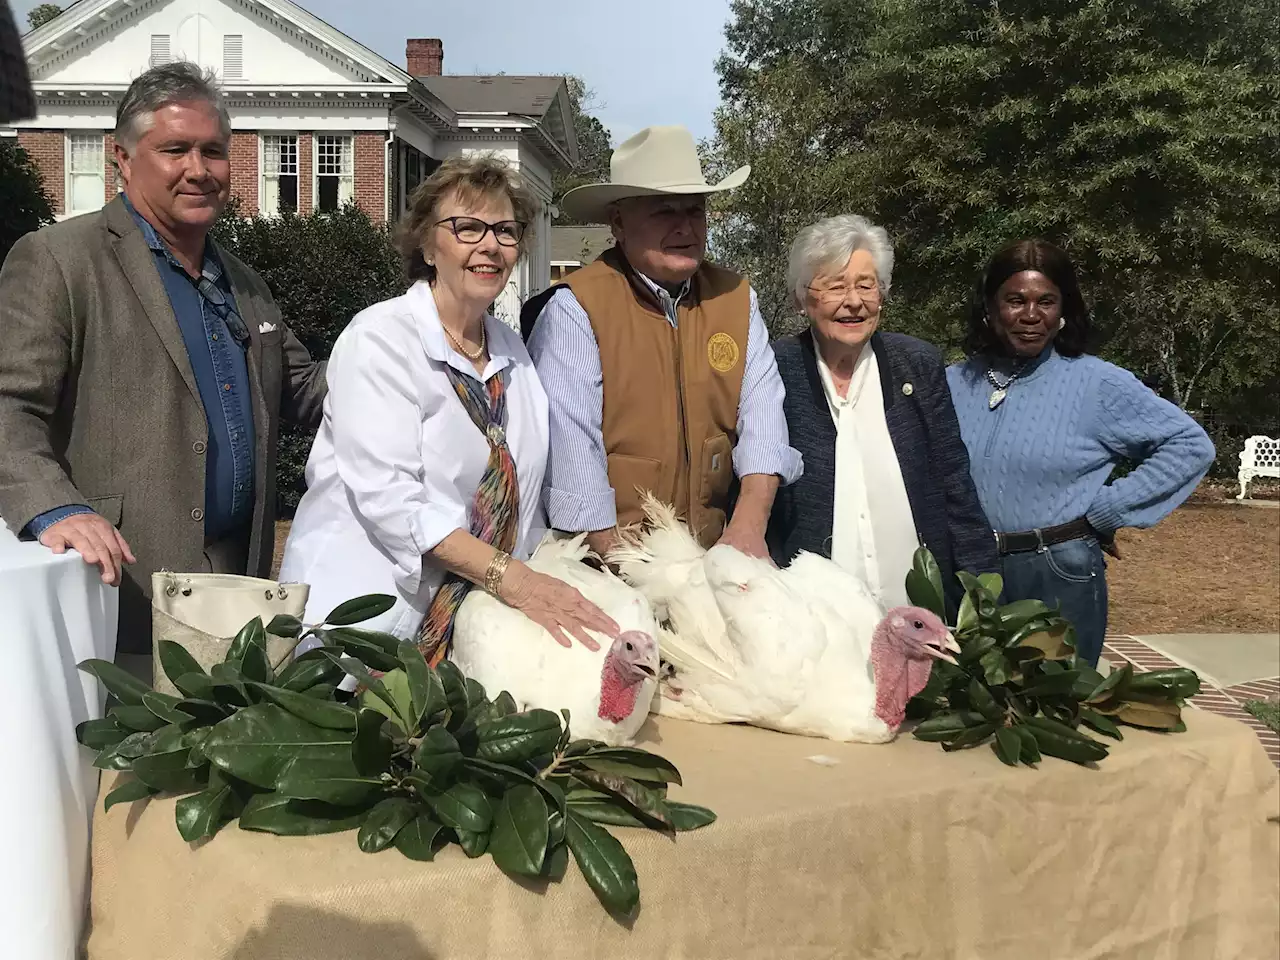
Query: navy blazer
926	436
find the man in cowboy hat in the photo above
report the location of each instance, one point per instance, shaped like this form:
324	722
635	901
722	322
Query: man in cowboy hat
657	364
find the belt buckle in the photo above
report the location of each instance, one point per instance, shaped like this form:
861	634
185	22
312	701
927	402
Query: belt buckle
1041	547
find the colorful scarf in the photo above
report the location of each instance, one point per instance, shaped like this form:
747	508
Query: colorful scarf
495	511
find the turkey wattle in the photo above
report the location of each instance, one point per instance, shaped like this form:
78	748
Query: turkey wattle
607	692
805	649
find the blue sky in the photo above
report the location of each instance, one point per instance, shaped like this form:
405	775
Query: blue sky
648	62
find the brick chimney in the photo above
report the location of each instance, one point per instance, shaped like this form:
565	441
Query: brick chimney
424	58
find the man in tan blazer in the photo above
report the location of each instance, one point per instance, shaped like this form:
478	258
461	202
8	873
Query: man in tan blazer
144	371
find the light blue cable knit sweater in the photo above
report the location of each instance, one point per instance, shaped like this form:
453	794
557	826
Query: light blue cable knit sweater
1044	455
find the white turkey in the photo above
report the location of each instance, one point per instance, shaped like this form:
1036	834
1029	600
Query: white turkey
607	692
804	649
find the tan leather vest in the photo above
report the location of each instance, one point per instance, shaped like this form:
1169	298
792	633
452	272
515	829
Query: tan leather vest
670	395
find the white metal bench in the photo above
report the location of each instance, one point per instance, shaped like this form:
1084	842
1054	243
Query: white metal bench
1259	458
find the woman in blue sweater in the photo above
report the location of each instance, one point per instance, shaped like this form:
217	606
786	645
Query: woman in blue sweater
1046	423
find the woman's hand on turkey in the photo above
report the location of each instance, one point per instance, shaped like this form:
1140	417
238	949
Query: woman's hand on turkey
555	606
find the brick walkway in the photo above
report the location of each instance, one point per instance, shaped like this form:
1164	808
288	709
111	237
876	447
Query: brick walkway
1227	703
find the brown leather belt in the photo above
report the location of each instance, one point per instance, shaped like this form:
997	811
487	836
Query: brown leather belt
1042	537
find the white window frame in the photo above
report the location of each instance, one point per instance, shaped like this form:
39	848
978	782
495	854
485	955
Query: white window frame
262	167
315	166
68	187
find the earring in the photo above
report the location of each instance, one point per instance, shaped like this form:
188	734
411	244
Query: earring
985	321
1062	322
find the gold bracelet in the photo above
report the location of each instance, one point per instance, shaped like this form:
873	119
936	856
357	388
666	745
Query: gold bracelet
497	567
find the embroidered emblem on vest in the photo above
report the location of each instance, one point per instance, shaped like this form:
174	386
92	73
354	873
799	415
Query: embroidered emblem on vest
722	352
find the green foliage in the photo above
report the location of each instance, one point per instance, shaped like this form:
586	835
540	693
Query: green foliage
1268	711
594	148
1138	134
1018	685
22	198
42	14
322	269
419	759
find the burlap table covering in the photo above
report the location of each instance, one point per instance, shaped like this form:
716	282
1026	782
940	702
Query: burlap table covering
897	851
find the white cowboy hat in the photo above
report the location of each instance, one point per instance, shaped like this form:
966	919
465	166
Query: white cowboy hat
657	160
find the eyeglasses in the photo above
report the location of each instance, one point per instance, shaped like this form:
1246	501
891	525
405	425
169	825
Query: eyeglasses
508	233
213	296
837	292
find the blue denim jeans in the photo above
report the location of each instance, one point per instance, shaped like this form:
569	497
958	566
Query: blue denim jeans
1071	574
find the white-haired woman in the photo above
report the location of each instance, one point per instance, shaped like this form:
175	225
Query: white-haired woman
885	469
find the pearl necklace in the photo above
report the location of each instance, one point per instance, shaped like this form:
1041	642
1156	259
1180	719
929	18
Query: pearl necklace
473	357
1001	389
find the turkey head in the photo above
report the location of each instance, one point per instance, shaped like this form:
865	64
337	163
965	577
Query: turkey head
903	649
632	659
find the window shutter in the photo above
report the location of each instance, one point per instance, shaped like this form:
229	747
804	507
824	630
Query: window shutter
233	56
160	49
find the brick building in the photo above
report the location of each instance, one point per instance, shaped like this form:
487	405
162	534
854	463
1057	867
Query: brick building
318	119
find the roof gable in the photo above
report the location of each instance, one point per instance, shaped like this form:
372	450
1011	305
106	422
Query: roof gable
282	42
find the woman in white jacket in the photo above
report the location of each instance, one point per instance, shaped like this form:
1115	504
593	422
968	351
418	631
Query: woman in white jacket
426	475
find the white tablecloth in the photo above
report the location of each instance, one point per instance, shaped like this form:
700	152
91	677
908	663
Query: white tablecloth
54	612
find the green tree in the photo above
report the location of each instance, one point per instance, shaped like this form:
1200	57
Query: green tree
1139	134
322	269
42	14
22	198
594	148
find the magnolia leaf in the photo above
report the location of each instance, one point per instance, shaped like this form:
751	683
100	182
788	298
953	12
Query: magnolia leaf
378	689
207	712
1051	642
330	715
438	753
1153	716
426	692
995	666
688	816
1104	725
360	609
644	801
136	718
369	649
1007	746
256	743
272	813
991	583
631	762
473	844
122	755
284	625
924	583
167	771
1050	683
228	685
1058	740
1118	681
972	649
519	737
604	863
1179	683
980	699
557	863
970	737
1030	752
1014	616
463	806
121	684
967	620
312	668
417	839
371	749
504	705
518	843
177	662
333	780
944	726
384	821
96	734
128	792
203	814
605	811
195	686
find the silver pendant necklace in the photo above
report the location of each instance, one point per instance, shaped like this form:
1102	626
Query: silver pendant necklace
1001	389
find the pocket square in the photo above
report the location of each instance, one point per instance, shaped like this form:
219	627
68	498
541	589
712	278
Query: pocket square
266	327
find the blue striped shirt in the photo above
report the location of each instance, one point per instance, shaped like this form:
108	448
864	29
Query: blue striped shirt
564	350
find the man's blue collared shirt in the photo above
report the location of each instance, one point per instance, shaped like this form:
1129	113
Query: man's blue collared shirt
222	379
